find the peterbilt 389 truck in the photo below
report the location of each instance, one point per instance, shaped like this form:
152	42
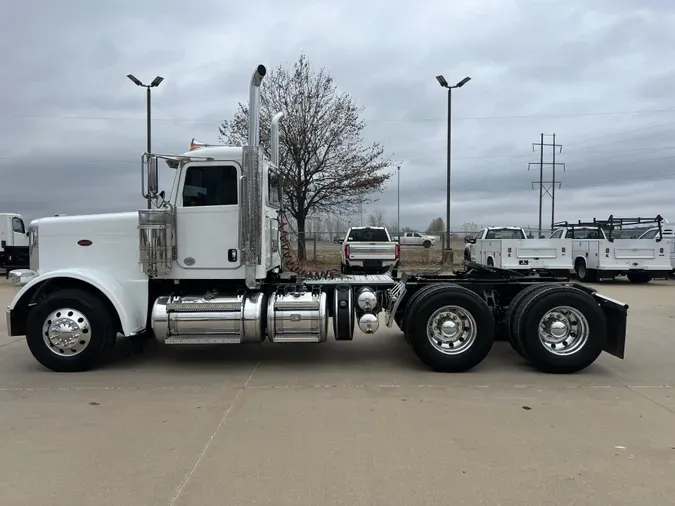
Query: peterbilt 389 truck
209	263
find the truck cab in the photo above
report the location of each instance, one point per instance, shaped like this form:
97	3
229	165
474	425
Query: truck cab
599	254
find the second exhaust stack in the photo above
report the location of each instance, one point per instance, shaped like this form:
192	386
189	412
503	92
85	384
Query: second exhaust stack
254	106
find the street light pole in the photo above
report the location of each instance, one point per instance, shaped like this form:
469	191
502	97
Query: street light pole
398	205
155	82
447	253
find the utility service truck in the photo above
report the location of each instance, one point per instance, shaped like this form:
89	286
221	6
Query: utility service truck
510	248
207	264
599	255
13	240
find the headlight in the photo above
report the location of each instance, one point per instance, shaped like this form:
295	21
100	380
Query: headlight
33	247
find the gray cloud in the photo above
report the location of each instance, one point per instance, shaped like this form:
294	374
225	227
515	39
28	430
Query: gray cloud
73	128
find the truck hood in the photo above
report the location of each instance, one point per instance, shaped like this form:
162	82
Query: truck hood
92	240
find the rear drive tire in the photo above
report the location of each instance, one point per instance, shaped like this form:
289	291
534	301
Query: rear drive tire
422	292
560	329
71	330
451	329
509	320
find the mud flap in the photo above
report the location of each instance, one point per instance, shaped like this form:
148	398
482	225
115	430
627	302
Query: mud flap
616	313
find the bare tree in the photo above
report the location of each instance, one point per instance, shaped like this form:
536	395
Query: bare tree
376	219
437	226
469	226
327	167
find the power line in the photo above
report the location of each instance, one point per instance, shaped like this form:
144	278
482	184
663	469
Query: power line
372	120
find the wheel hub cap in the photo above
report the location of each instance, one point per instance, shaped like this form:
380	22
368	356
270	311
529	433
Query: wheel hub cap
66	332
451	330
563	330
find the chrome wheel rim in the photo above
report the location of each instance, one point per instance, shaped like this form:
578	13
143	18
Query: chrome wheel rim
452	330
66	332
563	330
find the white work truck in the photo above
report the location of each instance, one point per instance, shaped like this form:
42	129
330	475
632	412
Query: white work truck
13	239
370	250
599	255
510	248
204	265
416	239
668	232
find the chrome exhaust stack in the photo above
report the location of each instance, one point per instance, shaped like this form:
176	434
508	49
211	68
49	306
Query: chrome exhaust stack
254	106
251	186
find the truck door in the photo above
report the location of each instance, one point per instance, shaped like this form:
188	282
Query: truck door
207	216
19	237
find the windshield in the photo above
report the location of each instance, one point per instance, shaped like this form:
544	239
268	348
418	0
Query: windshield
368	235
505	233
585	233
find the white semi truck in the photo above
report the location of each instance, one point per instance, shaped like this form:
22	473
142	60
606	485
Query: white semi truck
205	264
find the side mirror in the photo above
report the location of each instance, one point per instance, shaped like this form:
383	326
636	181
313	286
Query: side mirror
153	176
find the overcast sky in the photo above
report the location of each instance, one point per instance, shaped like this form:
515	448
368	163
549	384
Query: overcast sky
597	73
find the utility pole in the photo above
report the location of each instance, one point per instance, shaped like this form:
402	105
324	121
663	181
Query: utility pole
547	187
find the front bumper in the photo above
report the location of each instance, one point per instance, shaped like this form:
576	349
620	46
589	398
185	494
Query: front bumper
21	277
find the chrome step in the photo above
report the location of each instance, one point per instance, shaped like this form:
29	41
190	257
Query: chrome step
202	340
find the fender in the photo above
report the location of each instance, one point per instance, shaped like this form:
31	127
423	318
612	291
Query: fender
130	299
579	257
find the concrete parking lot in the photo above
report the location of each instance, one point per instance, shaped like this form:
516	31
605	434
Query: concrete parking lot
360	423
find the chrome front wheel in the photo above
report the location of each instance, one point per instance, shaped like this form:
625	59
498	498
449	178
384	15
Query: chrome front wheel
67	332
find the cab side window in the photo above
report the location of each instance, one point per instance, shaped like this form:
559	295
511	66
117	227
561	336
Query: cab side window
651	234
557	234
210	186
17	225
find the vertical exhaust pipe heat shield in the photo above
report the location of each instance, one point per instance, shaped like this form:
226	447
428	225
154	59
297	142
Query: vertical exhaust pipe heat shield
274	134
251	201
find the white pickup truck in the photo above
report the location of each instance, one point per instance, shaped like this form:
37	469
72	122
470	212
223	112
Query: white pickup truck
598	255
510	248
415	239
369	249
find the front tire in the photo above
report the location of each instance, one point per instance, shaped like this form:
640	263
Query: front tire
450	328
71	330
427	244
560	329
